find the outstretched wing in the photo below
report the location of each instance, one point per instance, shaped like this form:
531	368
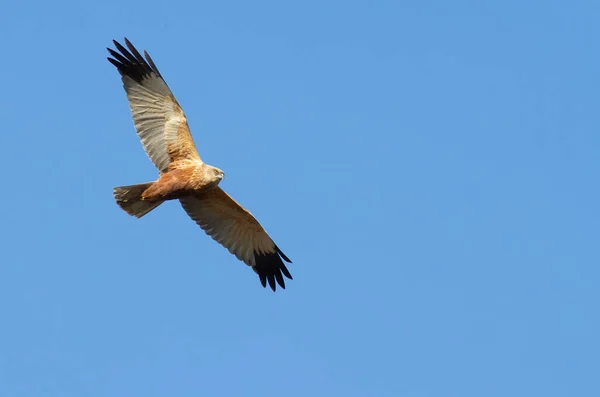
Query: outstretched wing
234	227
158	118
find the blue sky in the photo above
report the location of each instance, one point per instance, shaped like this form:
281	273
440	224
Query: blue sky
430	167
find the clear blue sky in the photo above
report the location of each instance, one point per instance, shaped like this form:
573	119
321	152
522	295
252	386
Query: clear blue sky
432	169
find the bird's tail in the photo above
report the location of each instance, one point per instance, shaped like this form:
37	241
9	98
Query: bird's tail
129	198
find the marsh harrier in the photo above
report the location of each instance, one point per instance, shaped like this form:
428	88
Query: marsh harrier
162	127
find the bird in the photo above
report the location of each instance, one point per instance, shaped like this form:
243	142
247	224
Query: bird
163	130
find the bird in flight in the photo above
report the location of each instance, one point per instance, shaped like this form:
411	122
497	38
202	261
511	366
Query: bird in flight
162	127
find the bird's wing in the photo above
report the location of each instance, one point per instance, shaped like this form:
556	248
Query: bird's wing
234	227
158	118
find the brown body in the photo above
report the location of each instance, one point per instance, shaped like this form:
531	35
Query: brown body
183	178
163	129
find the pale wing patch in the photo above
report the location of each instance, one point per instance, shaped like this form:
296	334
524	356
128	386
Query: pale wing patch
158	118
160	124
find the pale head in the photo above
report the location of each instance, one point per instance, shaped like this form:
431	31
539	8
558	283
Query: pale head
215	175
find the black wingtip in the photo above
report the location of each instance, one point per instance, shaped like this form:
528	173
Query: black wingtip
271	280
285	258
271	269
263	280
129	62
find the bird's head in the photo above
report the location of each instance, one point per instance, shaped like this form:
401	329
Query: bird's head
216	175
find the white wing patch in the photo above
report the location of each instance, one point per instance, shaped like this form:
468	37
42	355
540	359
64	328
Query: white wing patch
156	120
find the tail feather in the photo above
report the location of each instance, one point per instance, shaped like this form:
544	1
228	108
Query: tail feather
129	198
